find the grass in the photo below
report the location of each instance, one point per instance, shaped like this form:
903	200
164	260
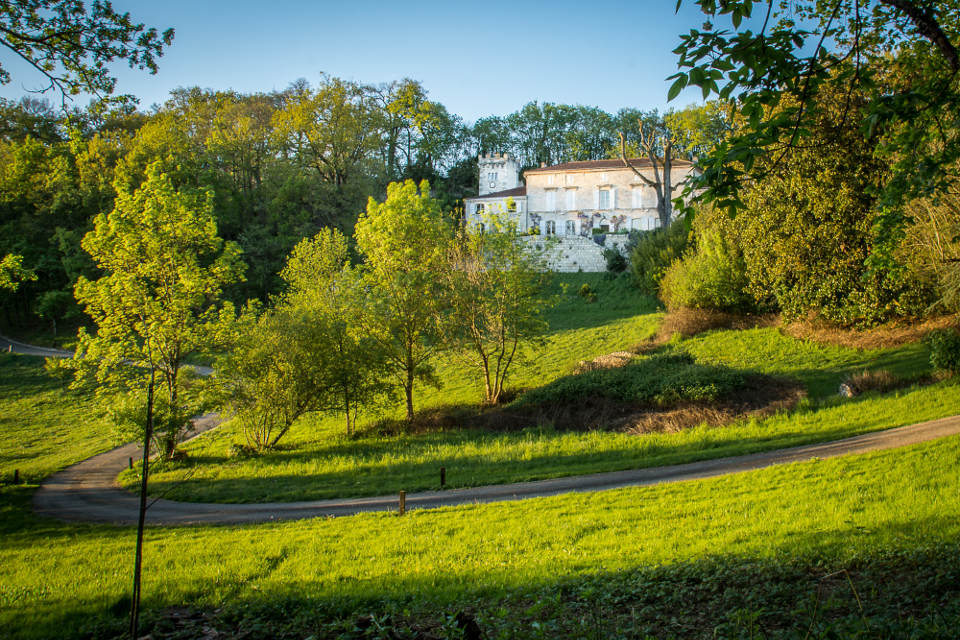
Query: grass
747	555
45	426
793	524
318	462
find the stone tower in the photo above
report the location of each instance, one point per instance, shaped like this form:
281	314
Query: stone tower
498	172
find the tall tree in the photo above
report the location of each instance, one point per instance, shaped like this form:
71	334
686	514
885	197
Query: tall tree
157	301
403	241
656	142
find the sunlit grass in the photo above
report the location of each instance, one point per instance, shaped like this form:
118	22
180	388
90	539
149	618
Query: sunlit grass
317	461
44	426
55	576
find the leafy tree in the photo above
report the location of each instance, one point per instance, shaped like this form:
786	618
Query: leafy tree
321	283
163	269
807	230
12	272
156	302
901	56
496	288
404	242
72	44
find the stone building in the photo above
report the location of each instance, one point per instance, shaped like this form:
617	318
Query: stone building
587	206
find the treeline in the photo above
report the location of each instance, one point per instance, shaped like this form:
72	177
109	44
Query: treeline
280	166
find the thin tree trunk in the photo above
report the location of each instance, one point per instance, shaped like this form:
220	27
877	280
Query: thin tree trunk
141	518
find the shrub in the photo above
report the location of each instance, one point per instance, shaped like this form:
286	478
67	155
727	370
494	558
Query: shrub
587	293
660	380
616	262
653	251
944	350
711	277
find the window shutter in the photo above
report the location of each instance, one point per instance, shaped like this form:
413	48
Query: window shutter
613	197
596	197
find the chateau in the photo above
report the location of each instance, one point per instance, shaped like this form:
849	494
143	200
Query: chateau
588	205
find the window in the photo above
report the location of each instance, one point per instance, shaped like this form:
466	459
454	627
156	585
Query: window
511	206
481	227
551	200
550	179
604	201
492	177
568	179
551	227
480	209
571	229
571	200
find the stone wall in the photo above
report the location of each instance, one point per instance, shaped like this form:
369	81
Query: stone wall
570	254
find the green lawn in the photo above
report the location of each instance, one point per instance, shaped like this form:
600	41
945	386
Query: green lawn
774	532
45	426
318	461
749	555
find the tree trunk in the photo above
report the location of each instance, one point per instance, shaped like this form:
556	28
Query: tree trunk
142	515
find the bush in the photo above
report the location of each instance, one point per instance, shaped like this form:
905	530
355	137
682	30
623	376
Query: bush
653	251
944	350
587	293
660	380
711	277
616	262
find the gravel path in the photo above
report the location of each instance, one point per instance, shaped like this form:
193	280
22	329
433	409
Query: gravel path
88	492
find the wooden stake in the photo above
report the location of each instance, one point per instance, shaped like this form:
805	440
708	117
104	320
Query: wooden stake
443	476
403	502
16	476
130	462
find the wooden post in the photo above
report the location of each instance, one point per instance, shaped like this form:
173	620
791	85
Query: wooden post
130	462
403	502
16	476
443	476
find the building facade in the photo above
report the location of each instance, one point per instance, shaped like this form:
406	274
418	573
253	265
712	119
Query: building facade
570	199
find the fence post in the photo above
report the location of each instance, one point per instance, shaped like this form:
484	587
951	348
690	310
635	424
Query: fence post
403	502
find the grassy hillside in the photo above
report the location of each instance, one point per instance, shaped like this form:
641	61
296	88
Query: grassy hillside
865	545
317	461
44	426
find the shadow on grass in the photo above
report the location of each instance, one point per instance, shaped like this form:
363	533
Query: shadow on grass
368	475
813	584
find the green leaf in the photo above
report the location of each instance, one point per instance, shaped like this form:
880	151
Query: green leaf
677	87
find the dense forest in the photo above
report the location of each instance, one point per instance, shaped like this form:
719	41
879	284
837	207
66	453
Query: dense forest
279	167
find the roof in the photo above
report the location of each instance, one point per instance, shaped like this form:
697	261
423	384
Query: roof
639	163
516	191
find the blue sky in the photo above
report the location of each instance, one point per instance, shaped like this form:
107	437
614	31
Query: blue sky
477	58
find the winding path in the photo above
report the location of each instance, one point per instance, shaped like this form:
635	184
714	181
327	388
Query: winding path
88	490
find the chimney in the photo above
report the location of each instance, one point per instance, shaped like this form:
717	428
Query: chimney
543	164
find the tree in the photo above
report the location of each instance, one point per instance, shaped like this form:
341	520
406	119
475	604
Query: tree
900	55
156	303
12	272
496	287
72	44
656	143
404	241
